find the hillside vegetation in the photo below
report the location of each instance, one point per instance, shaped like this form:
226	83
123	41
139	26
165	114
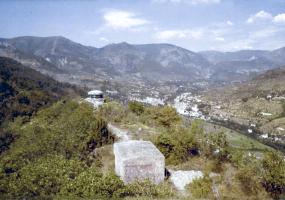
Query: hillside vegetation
243	174
55	156
23	91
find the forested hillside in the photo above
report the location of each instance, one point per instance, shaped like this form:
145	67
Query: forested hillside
23	91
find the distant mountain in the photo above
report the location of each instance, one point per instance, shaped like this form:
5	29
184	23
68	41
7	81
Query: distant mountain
153	61
242	65
274	74
127	64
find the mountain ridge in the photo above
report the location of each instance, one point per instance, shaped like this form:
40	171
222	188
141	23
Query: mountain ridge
143	64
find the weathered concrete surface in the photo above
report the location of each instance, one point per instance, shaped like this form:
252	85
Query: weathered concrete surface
139	160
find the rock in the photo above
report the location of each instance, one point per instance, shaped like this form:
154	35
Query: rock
139	160
182	178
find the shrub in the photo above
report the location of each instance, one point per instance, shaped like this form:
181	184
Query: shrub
92	184
44	177
273	174
201	188
136	107
112	111
165	116
177	144
247	175
215	145
148	189
66	128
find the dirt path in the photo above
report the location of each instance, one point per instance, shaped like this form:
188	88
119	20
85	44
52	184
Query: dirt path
122	135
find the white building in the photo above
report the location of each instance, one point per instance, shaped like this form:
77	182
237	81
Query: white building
95	97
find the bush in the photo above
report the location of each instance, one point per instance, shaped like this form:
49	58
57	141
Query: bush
148	189
201	188
113	111
66	129
247	175
215	145
165	116
177	144
44	177
91	184
136	107
273	174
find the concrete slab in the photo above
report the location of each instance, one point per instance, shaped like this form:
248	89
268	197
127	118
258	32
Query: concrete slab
139	160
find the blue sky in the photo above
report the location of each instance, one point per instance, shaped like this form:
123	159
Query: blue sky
226	25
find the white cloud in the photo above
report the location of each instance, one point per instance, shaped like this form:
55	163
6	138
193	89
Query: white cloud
122	19
230	23
260	16
193	2
205	1
264	33
221	39
103	39
280	18
170	34
178	34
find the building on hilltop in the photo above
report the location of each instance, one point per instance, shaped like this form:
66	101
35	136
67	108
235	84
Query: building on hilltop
95	97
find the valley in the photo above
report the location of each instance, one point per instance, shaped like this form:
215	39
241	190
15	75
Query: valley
233	89
207	112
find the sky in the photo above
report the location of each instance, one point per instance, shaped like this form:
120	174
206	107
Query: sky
225	25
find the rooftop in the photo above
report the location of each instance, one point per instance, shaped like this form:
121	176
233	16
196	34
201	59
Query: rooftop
95	92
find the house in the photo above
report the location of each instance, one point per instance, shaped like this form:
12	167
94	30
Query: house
95	97
137	160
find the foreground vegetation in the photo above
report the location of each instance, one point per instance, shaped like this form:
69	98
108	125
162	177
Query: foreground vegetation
242	173
54	156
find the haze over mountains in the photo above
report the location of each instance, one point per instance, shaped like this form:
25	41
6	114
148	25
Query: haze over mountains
123	63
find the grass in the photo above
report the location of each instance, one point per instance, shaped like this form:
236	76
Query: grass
238	140
243	142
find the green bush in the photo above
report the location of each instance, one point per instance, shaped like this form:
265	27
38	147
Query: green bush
43	177
201	188
113	111
273	174
165	116
91	184
148	189
247	174
66	129
136	107
177	144
215	145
